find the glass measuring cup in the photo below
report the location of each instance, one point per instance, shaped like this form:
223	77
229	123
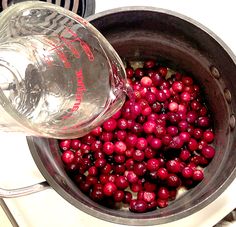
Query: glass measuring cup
59	77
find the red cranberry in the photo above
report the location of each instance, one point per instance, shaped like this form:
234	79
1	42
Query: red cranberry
173	106
156	107
162	173
161	96
149	127
110	125
139	72
106	169
131	140
208	136
185	96
187	172
100	162
156	78
131	177
149	153
198	175
163	193
129	164
183	125
177	86
172	130
138	206
129	72
150	187
173	166
162	203
75	144
141	143
208	152
176	142
88	139
136	187
106	136
203	122
192	144
96	146
166	140
119	147
187	80
139	169
191	117
65	144
108	148
138	155
149	64
127	198
92	171
119	159
201	144
109	189
153	164
160	131
149	196
185	137
146	81
68	157
195	105
184	155
155	143
173	180
120	135
119	196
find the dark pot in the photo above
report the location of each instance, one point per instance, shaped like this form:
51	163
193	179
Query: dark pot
143	33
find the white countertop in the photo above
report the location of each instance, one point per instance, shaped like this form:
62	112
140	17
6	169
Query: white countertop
47	208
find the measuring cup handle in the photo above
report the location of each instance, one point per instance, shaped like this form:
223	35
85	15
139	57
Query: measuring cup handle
13	193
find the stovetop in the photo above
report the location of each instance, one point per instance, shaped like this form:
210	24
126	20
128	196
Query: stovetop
47	208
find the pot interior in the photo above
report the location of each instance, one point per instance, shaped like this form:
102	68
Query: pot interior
181	44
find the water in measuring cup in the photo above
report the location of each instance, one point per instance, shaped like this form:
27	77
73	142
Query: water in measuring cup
63	80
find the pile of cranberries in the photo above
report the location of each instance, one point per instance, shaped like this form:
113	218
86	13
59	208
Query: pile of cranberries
156	144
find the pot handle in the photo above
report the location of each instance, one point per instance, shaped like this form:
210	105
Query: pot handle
13	193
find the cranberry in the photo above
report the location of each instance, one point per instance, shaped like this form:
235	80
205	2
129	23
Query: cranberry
166	140
160	131
187	80
191	117
162	173
96	146
149	152
106	169
119	196
141	143
161	96
109	189
88	139
68	157
139	72
108	148
176	142
100	162
156	107
208	152
131	177
65	144
203	122
153	164
149	64
173	180
146	81
93	171
119	147
172	130
136	187
127	197
185	137
185	96
173	106
198	175
177	86
155	143
208	136
131	140
156	78
187	172
139	169
149	127
192	144
150	187
173	166
119	158
149	196
184	155
138	206
106	136
163	193
138	155
162	203
75	144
